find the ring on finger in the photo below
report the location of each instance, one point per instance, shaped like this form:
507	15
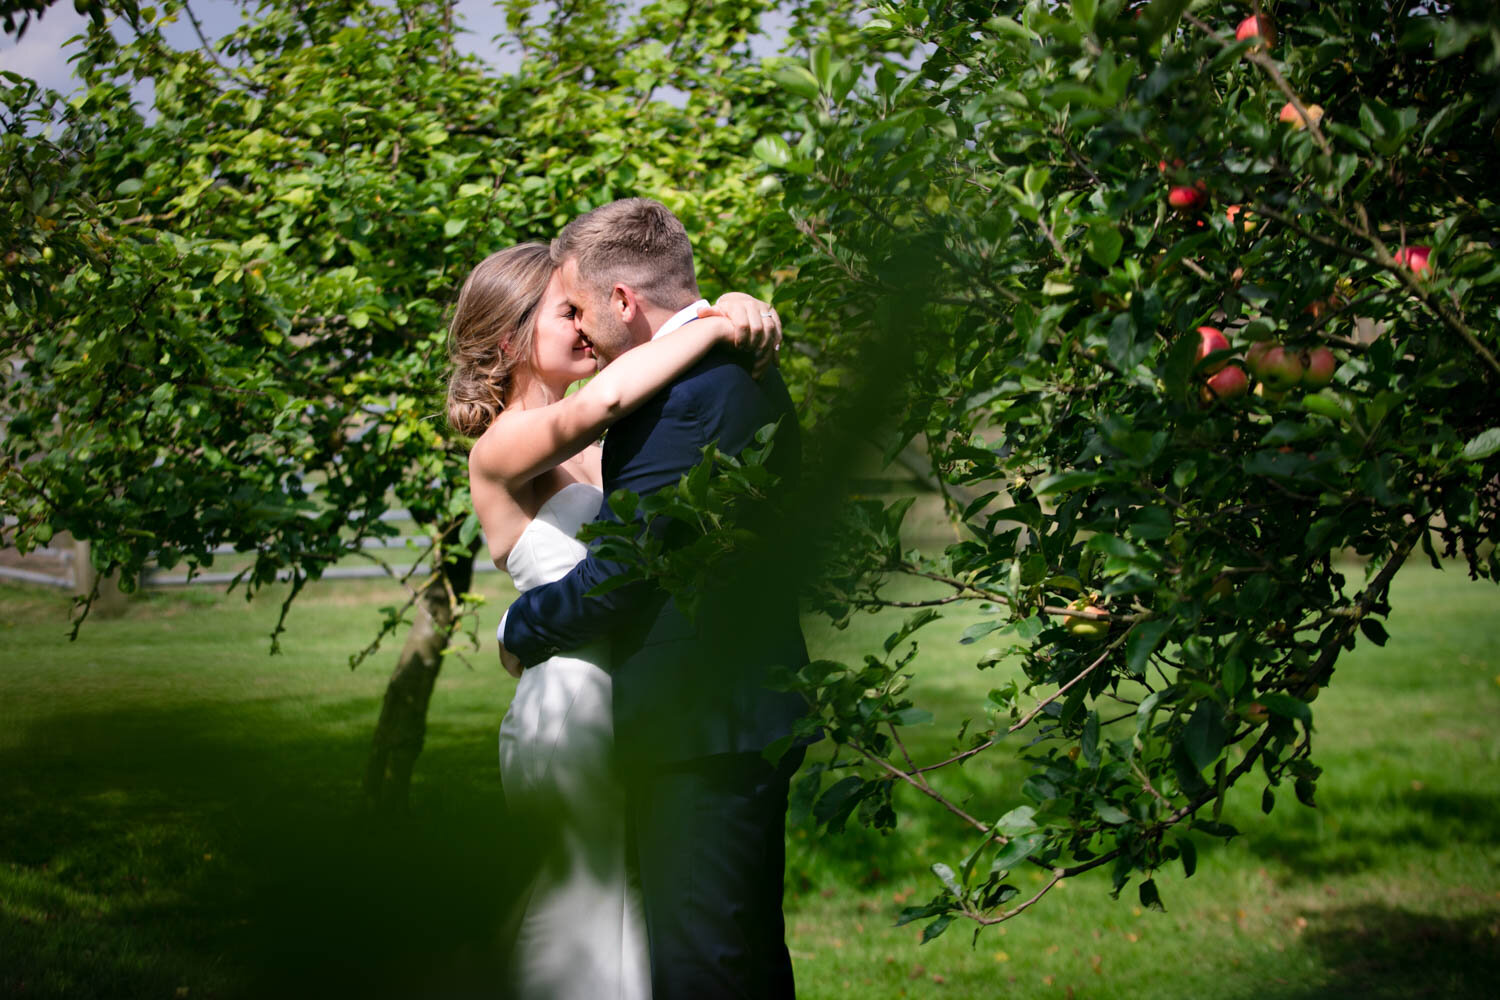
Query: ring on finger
769	313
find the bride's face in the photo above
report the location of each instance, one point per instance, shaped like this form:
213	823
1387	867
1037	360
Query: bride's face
558	350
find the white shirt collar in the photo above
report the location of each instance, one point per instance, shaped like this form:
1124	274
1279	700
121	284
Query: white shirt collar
680	318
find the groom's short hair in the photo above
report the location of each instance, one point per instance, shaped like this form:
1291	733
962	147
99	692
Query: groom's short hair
636	242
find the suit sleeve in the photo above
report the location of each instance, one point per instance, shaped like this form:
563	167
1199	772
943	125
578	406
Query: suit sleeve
720	404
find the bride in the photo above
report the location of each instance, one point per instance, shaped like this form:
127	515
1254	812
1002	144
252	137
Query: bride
534	474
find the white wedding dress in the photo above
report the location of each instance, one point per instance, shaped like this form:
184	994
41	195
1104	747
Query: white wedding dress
582	933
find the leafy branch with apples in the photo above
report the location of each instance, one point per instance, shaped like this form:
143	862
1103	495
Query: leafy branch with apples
1188	421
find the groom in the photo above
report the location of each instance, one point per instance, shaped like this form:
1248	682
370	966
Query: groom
692	712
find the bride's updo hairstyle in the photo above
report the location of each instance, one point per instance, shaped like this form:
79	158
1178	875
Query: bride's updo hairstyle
492	330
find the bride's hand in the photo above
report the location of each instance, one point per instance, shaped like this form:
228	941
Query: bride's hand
756	327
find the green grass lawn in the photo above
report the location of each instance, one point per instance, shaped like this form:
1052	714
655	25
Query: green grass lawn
179	817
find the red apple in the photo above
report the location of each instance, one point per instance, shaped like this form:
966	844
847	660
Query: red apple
1211	339
1245	219
1292	117
1186	196
1318	366
1280	368
1415	258
1230	382
1255	357
1257	27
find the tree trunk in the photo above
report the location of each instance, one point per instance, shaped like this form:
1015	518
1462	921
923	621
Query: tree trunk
402	728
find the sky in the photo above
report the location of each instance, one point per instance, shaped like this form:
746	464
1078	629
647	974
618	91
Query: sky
42	53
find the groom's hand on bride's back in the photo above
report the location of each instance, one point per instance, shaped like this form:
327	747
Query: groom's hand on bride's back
757	327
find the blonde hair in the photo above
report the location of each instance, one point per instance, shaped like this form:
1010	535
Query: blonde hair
633	241
492	330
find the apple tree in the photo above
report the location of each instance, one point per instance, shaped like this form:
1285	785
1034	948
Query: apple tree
1185	302
223	315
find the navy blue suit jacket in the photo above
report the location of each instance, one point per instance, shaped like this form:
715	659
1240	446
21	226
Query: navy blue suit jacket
683	689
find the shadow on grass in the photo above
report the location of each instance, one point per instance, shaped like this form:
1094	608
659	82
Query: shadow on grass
221	848
1370	828
1373	951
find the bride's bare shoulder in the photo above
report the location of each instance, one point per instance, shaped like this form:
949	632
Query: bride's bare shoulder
487	446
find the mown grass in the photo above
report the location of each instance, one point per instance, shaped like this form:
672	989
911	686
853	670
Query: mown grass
1390	888
179	812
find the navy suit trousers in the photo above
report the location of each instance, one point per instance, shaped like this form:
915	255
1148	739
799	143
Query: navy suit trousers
709	835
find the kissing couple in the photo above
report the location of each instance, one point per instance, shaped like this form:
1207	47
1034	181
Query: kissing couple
632	753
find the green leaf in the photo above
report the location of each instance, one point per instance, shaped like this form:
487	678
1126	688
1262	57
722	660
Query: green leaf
1286	705
1142	642
772	150
796	78
624	504
835	805
1323	407
1150	898
1105	244
1178	369
914	622
1147	708
804	793
1204	736
1189	852
1035	179
1067	482
1109	812
1010	28
1374	631
1253	594
911	913
1015	851
1018	820
1216	829
945	875
1483	445
1083	13
936	928
1089	742
1233	676
1160	19
912	717
469	530
978	631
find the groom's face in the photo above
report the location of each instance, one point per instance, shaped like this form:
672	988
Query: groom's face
595	315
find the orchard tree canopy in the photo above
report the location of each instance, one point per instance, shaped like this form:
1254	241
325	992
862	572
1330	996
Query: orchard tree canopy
1033	211
243	294
226	312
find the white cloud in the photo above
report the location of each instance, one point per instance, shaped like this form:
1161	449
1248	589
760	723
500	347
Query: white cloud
40	55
